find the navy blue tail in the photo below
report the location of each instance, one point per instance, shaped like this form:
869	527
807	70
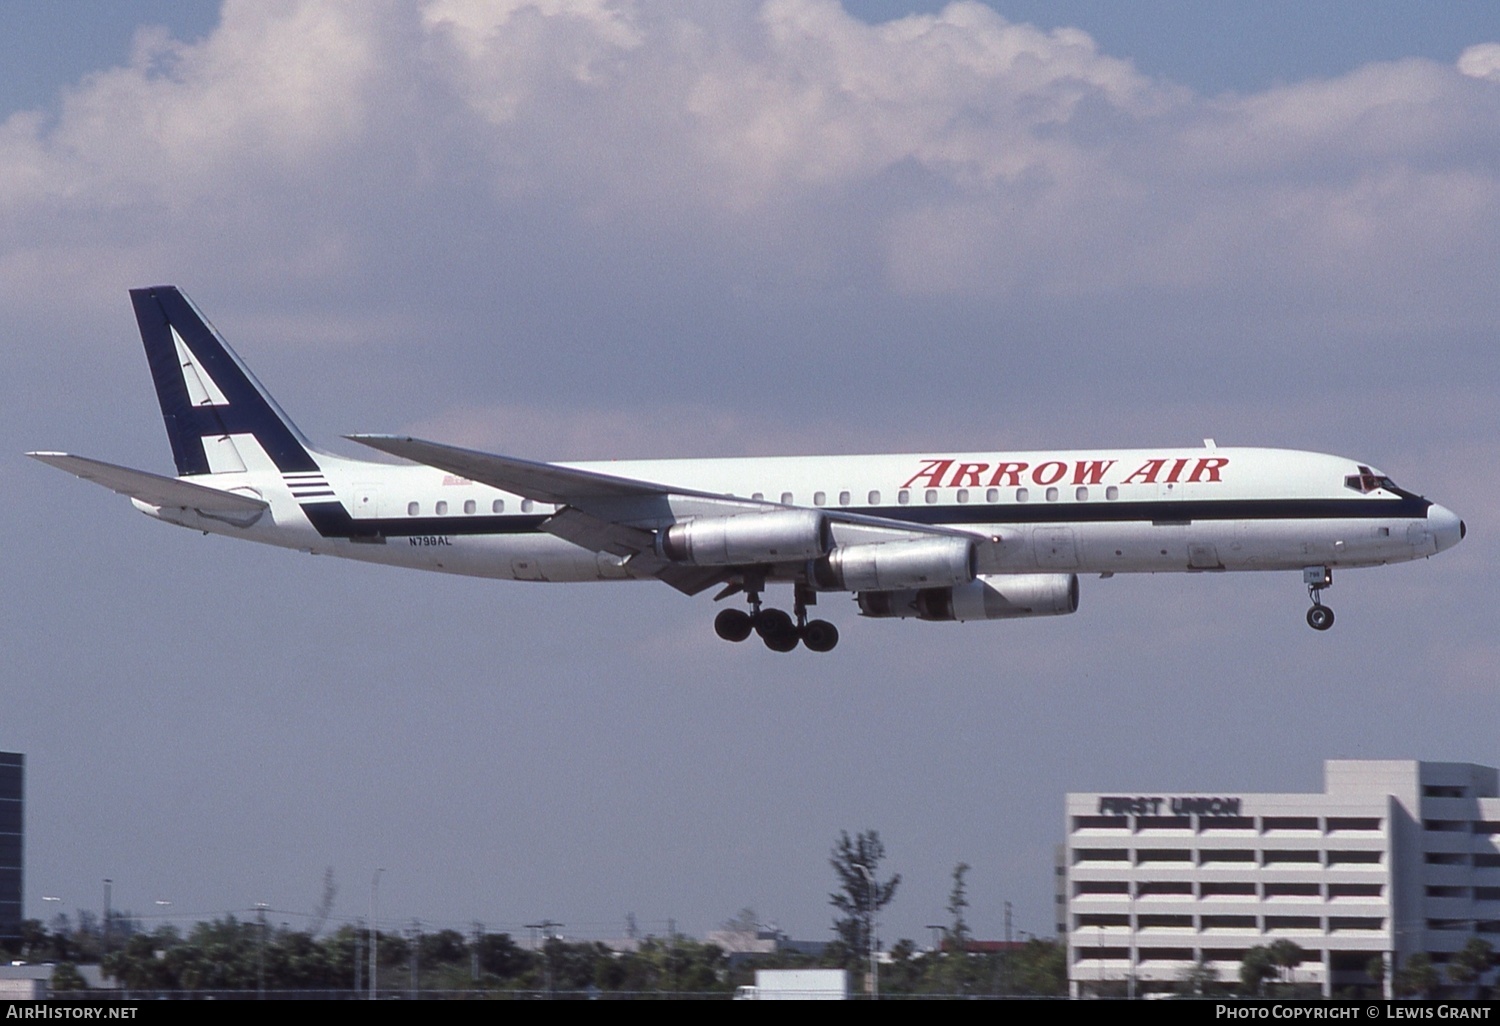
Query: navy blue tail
207	395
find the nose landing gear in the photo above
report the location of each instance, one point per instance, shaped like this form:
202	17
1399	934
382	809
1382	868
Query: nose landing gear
775	627
1319	617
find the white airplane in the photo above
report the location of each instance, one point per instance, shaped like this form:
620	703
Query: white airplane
936	536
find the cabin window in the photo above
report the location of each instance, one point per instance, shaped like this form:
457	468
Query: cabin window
498	506
442	509
526	505
903	496
469	506
1022	495
413	508
1111	493
843	498
1051	494
874	498
931	495
963	495
759	496
819	498
1082	495
786	498
993	495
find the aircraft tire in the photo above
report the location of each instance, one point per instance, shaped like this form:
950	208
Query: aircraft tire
820	636
1320	617
774	623
733	625
781	642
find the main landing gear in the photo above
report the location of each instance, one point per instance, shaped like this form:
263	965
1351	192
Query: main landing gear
1319	617
778	630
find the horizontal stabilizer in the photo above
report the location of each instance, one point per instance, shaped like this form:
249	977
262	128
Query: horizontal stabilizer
154	489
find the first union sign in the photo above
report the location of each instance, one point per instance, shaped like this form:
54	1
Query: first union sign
1183	805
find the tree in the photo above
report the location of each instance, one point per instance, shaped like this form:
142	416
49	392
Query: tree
1471	963
1256	968
1418	976
1198	980
958	932
66	977
863	895
1286	955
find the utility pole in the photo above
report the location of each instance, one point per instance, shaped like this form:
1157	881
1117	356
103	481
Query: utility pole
374	931
104	935
416	944
545	926
474	951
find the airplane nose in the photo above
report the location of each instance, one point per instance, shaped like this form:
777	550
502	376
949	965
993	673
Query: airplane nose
1447	529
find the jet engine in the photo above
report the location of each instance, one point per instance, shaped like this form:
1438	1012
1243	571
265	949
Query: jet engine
779	536
988	597
885	566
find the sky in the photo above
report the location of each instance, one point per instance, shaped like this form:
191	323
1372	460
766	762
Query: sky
575	229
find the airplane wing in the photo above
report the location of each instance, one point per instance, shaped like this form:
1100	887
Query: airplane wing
544	482
156	490
590	502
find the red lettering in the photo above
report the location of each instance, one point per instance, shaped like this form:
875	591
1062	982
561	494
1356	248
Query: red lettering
1209	466
967	474
1052	478
1091	472
1177	466
1147	473
932	472
1007	474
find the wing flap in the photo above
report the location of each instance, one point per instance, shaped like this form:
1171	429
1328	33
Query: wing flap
597	534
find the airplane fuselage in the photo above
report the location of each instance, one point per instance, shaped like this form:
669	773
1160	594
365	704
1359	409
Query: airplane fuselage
1092	512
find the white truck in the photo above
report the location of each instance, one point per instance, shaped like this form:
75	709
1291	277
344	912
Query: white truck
797	985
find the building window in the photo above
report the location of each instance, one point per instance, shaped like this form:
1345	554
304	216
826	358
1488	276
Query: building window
1271	824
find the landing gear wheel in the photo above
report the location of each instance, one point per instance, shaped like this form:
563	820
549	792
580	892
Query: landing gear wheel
772	623
820	636
1320	617
781	642
733	625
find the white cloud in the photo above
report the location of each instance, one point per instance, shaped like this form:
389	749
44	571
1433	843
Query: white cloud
1481	61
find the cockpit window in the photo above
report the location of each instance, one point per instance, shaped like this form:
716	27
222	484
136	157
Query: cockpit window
1367	481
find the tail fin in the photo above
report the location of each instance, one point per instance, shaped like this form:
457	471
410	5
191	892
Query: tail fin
208	397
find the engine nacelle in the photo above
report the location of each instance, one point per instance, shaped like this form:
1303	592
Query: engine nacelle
994	597
779	536
886	566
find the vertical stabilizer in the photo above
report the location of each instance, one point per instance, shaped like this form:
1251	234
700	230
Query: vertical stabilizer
207	396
